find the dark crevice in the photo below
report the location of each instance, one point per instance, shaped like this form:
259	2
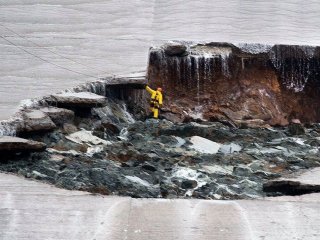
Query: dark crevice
289	188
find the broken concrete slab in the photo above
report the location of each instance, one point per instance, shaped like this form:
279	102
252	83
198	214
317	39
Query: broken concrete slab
59	116
35	121
308	182
15	144
134	80
77	100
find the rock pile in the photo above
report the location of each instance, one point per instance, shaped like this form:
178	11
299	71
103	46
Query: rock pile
107	151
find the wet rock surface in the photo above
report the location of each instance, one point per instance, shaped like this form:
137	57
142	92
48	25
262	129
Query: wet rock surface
108	151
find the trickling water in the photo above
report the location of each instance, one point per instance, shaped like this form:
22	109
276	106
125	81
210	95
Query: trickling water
124	134
197	76
207	67
293	64
254	48
189	70
127	116
225	64
7	128
177	65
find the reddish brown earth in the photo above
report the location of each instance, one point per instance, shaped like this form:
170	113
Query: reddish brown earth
222	82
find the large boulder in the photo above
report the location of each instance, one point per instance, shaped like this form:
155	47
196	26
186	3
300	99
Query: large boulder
77	100
35	121
59	116
15	144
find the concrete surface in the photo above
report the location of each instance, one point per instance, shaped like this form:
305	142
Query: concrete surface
32	210
64	43
311	176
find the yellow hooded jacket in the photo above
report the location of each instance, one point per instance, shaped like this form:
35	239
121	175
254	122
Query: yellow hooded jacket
156	96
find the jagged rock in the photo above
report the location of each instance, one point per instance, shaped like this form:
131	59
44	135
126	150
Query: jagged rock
37	175
214	131
230	148
69	128
217	169
296	129
15	144
242	171
35	121
59	116
189	184
174	49
77	100
149	167
84	136
110	128
280	121
106	129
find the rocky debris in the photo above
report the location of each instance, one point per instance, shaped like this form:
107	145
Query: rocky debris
77	100
59	116
174	49
15	144
35	121
107	151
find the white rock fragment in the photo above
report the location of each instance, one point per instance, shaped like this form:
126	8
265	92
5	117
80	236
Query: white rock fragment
204	145
69	152
138	180
217	169
230	148
84	136
93	150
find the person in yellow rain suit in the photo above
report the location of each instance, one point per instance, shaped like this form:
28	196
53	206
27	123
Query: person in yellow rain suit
156	100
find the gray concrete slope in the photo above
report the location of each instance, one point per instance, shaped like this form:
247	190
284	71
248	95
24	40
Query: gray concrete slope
64	43
32	210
